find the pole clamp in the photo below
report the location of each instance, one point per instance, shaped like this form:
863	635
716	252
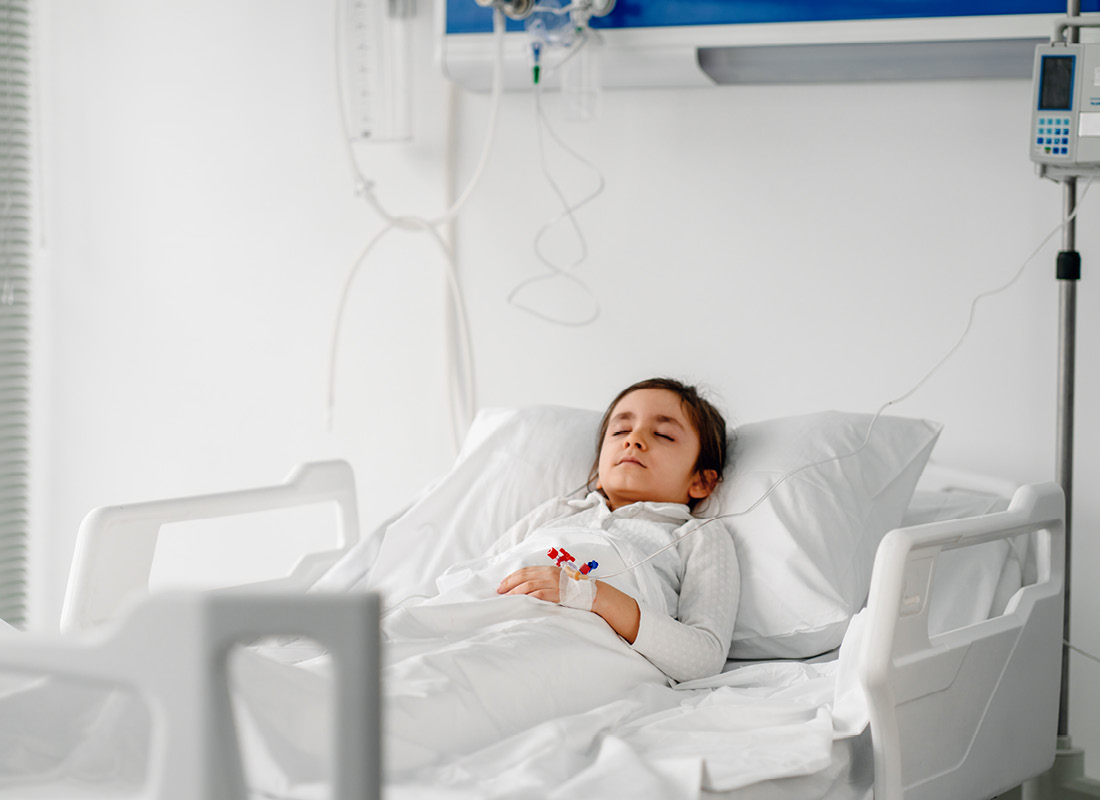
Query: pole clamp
1069	265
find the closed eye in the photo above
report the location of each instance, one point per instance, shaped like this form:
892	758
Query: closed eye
665	436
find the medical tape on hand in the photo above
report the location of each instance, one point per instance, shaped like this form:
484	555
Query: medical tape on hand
576	592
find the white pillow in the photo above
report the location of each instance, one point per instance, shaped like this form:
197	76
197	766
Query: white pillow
512	460
805	552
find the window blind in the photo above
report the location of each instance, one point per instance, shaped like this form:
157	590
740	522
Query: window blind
15	256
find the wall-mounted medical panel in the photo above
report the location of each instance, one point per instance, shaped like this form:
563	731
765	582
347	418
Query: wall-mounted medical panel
681	43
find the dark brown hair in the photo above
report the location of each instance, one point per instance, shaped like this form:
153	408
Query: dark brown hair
707	420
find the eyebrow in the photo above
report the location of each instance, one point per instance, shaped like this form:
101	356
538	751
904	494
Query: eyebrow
626	416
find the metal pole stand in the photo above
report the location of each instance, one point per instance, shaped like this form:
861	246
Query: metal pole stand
1066	779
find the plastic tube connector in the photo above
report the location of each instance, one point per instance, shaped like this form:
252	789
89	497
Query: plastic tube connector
567	562
536	56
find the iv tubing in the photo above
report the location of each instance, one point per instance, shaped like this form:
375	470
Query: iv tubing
460	396
568	212
486	148
870	428
457	305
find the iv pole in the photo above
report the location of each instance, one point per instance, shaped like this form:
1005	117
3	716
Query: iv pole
1068	273
1066	779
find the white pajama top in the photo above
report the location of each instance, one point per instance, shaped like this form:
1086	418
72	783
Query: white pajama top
699	576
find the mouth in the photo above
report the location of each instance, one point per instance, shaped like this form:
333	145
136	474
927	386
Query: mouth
629	460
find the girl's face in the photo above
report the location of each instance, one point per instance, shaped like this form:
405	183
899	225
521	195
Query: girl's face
649	452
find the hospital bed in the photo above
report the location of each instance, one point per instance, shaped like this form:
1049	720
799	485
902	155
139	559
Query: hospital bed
944	686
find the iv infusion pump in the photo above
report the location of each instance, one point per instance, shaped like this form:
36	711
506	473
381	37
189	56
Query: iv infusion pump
1065	110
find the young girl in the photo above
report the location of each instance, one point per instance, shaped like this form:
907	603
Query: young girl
662	448
488	658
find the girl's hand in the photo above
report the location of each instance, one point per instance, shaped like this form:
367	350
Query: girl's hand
540	582
620	610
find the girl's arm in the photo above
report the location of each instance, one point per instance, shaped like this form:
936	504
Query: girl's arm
695	642
692	644
618	609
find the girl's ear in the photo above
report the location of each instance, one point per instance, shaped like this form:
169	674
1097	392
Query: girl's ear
703	484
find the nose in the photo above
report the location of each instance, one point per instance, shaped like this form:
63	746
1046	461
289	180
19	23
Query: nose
634	439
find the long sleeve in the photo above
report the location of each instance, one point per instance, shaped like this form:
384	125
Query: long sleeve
695	643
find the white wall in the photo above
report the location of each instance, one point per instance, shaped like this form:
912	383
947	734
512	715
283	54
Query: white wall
794	248
200	219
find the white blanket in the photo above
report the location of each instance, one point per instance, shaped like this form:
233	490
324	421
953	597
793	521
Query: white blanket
469	667
760	722
754	723
512	697
487	697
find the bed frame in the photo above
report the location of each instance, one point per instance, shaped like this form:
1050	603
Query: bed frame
996	681
173	650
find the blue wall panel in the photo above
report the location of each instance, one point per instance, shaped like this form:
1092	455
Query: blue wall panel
466	16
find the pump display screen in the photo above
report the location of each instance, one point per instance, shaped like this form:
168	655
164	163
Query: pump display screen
1056	83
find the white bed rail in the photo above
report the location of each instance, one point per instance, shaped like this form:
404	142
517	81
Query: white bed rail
173	650
115	545
972	712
